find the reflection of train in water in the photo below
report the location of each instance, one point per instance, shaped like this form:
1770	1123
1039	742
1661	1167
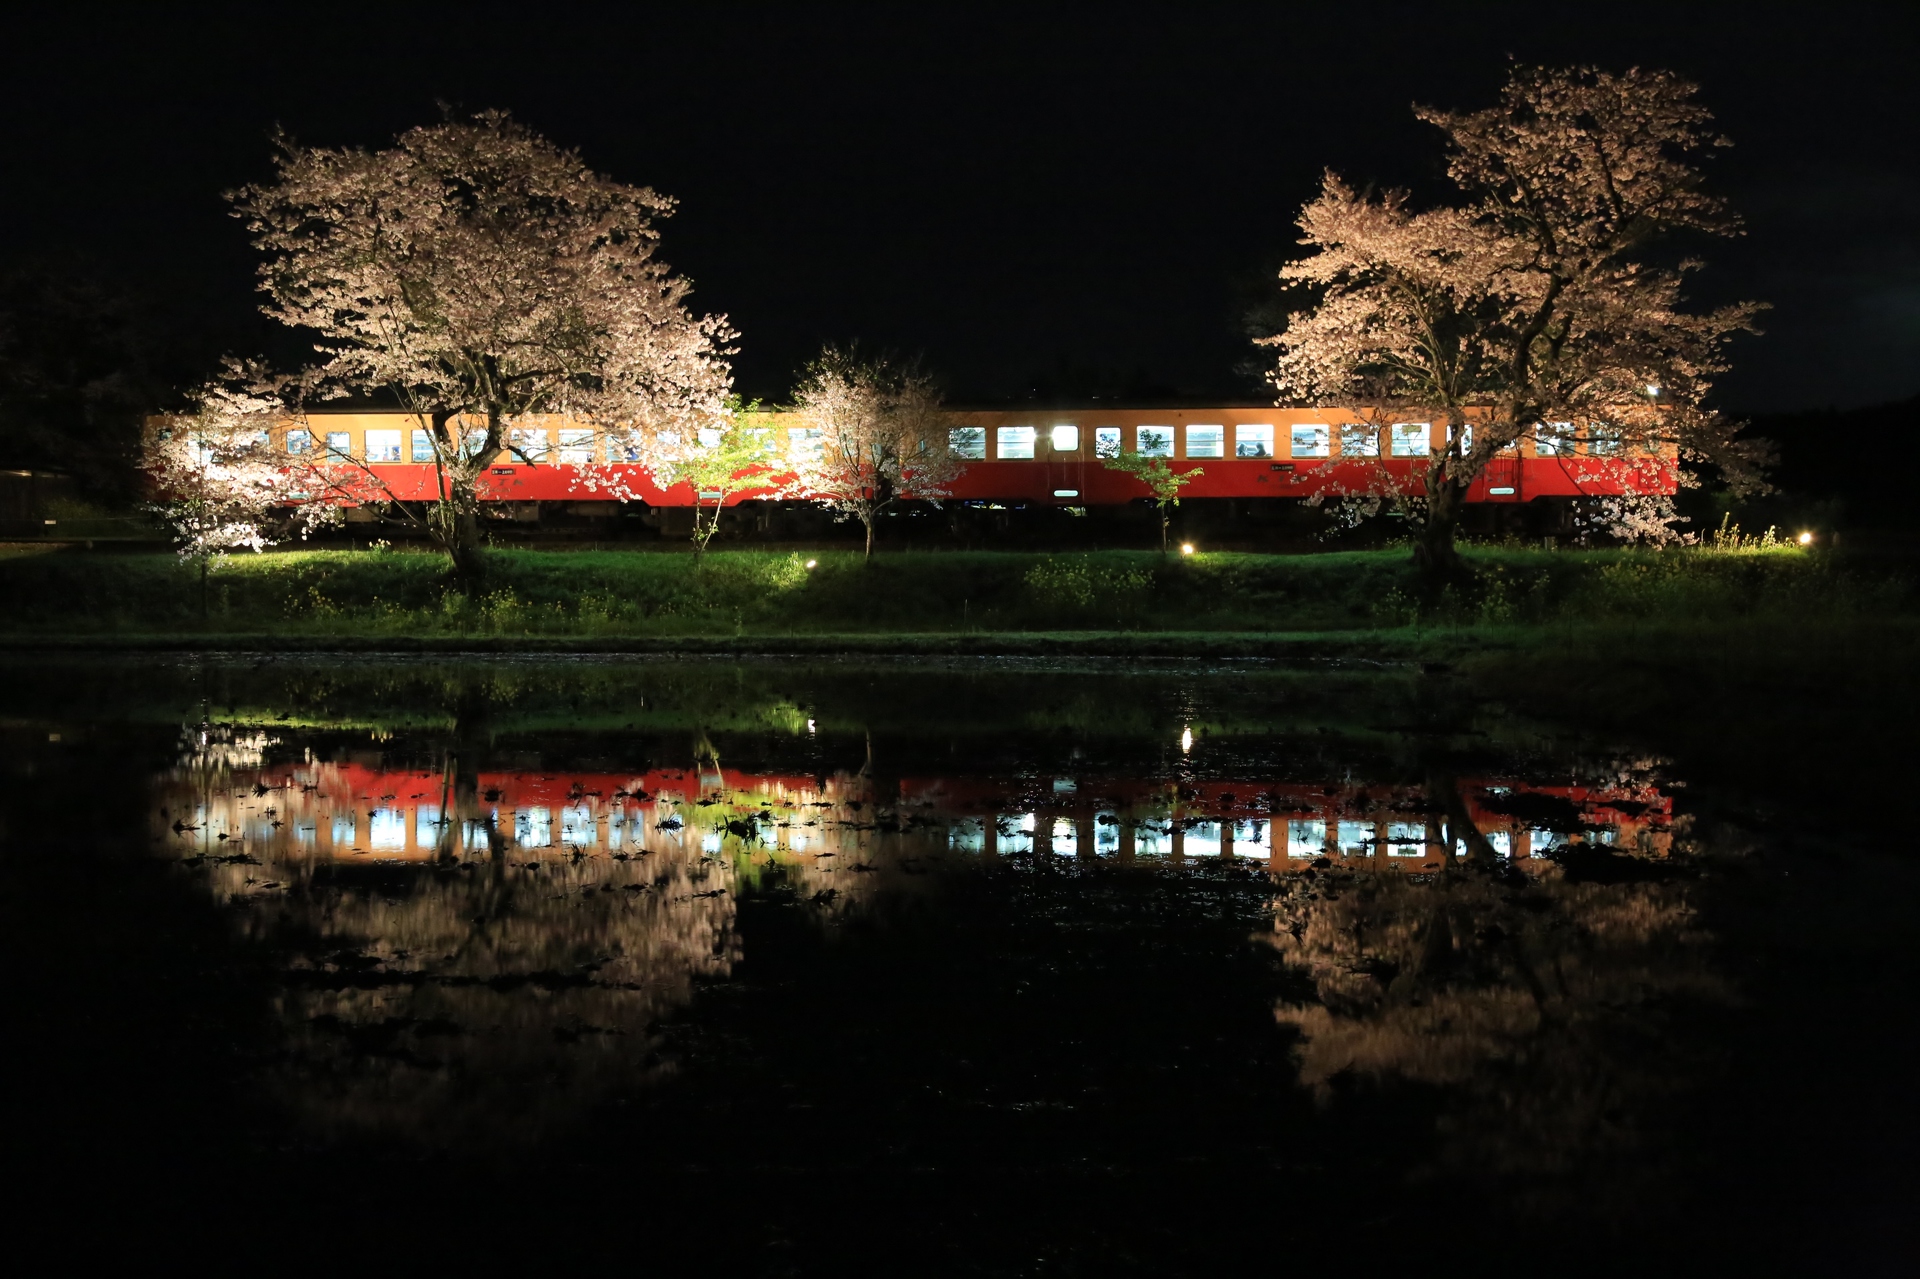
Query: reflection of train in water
355	812
1031	459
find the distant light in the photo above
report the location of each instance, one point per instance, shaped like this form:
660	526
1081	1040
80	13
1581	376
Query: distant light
1806	539
1653	390
1186	548
1186	740
809	726
810	564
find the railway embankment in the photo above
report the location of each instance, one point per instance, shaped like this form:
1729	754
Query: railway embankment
1362	606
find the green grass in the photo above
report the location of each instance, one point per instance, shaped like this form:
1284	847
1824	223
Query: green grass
373	597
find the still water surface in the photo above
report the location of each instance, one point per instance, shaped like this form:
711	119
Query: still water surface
1026	967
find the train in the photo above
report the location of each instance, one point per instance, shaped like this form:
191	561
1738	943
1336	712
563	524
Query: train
1038	461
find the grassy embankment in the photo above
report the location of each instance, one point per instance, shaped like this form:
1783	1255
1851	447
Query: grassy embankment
956	601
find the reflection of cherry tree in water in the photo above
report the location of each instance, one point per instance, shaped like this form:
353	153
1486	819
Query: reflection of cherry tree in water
485	991
1539	1005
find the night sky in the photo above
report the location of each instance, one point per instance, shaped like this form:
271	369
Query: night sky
1037	201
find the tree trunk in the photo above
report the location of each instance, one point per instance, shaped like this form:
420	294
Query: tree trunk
1165	519
1434	552
869	524
463	548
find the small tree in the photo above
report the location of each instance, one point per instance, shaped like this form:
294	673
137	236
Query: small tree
719	462
475	273
871	434
1162	481
1543	296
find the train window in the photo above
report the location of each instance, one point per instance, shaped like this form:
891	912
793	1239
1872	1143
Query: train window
337	444
1359	439
709	436
967	442
1106	441
1206	441
1306	838
1016	441
533	827
529	445
1605	440
804	444
1202	839
1312	441
1066	837
1354	839
1153	441
1412	439
299	442
383	446
422	447
1553	439
576	445
1253	440
1252	838
1066	439
1406	839
1466	438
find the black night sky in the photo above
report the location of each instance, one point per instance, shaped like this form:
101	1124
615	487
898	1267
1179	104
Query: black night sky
1039	201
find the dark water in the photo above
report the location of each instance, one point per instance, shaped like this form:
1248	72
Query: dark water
988	967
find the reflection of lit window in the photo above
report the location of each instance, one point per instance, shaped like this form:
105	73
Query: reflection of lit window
1206	441
1502	842
383	446
343	830
426	825
1202	839
1016	832
1253	440
967	835
1153	441
1359	440
387	829
474	836
801	841
1312	441
1252	838
577	825
576	445
1106	441
1016	442
1354	839
1542	841
1106	834
1412	439
1406	839
1306	838
533	828
967	442
712	841
1066	837
1066	439
1149	838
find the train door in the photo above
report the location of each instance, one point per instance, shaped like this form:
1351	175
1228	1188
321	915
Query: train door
1065	470
1500	481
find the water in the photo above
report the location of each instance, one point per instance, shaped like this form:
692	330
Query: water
982	966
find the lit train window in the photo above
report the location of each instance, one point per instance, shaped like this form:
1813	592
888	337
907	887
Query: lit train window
1502	842
1606	441
1153	441
968	442
475	440
1312	441
1066	439
1206	441
1466	438
968	834
1106	441
1016	441
709	437
1306	838
531	445
576	446
1358	439
337	444
383	446
1406	839
1553	439
1354	839
1253	440
422	447
1412	439
299	443
805	443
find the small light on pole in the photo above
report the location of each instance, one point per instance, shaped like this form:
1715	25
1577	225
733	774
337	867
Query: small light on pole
1806	539
1186	548
1186	740
1652	390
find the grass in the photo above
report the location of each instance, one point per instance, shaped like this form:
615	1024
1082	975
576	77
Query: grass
949	601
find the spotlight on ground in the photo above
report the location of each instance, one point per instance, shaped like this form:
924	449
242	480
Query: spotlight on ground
1186	548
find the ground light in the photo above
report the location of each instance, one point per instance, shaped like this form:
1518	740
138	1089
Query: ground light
811	563
1186	548
1806	539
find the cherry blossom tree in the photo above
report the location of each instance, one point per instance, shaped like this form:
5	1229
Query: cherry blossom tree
1548	293
474	273
870	434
